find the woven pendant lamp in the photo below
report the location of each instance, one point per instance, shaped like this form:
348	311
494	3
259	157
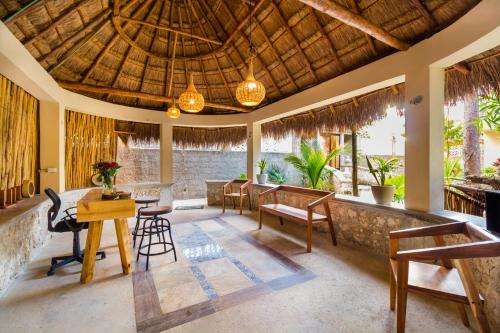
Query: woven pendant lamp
250	92
173	112
191	100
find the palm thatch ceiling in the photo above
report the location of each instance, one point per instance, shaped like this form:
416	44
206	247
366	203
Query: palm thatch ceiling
140	53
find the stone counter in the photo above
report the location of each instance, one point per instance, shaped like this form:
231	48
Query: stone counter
367	225
23	227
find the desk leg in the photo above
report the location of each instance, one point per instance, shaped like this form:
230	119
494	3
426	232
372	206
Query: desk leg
91	246
123	236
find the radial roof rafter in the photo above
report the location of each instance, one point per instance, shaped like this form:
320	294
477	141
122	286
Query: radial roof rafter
130	52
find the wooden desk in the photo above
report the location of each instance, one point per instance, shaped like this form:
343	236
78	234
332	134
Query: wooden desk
92	209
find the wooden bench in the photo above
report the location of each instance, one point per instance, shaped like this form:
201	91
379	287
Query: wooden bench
299	215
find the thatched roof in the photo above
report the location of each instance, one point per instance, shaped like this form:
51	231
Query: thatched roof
138	132
341	116
89	44
476	76
204	137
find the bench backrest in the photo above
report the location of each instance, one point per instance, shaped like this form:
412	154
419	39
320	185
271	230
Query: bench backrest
302	190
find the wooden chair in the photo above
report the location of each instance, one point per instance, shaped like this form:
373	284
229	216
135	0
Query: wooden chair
307	217
242	192
453	281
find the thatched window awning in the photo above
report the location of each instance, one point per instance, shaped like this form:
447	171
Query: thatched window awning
476	76
139	132
341	116
205	137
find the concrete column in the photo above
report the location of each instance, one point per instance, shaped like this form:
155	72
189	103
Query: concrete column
253	149
424	122
52	146
166	153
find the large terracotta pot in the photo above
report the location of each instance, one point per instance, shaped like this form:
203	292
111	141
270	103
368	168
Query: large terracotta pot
383	194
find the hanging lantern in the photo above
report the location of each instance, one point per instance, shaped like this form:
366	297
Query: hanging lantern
250	92
191	100
173	112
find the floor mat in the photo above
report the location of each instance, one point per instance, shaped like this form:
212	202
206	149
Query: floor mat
189	207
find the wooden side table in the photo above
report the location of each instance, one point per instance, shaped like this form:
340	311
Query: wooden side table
92	209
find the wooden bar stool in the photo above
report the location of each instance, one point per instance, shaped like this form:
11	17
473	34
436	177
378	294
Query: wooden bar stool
155	225
142	201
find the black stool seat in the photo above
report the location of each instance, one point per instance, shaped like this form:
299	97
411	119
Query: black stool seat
147	200
156	210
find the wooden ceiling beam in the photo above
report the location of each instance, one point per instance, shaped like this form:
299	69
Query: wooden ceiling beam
112	42
354	5
166	28
276	54
296	41
150	47
462	68
78	41
127	53
116	7
422	8
213	56
137	94
200	62
26	9
63	16
172	67
325	36
170	20
230	14
357	21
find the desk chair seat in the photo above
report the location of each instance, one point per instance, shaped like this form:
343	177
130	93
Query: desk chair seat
67	224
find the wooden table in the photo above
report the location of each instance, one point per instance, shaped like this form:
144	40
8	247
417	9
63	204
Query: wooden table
92	209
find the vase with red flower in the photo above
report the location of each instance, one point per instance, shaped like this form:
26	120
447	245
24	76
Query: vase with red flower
106	172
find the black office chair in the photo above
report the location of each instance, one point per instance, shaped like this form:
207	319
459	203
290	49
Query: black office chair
66	224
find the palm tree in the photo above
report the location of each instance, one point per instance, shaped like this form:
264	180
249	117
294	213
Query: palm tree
312	162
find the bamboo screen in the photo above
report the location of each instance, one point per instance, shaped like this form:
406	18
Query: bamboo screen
19	128
89	139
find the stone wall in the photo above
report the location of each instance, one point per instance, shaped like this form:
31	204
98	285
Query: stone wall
191	168
368	225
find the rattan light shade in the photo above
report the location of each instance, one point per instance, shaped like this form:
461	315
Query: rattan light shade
250	92
173	112
191	100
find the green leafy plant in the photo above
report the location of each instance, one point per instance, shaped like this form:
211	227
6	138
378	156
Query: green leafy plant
488	171
383	169
489	112
453	133
452	170
399	183
243	176
276	175
262	164
312	162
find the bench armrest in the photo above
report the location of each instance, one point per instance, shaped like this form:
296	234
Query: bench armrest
435	230
461	251
271	190
321	200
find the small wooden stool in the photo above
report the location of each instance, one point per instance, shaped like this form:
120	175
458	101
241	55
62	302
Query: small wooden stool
155	225
142	201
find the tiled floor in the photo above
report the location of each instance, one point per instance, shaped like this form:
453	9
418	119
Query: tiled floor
229	277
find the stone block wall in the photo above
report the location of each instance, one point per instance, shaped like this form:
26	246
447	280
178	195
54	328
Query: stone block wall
368	225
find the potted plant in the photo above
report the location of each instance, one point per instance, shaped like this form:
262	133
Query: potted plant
106	172
262	177
382	192
312	164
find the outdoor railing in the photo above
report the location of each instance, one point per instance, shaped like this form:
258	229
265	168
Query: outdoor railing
463	202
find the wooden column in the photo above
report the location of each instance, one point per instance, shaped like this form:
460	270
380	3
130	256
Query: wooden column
354	140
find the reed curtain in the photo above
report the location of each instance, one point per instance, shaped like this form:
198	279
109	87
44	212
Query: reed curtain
19	132
89	139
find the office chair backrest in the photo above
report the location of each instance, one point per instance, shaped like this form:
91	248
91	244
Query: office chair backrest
54	210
